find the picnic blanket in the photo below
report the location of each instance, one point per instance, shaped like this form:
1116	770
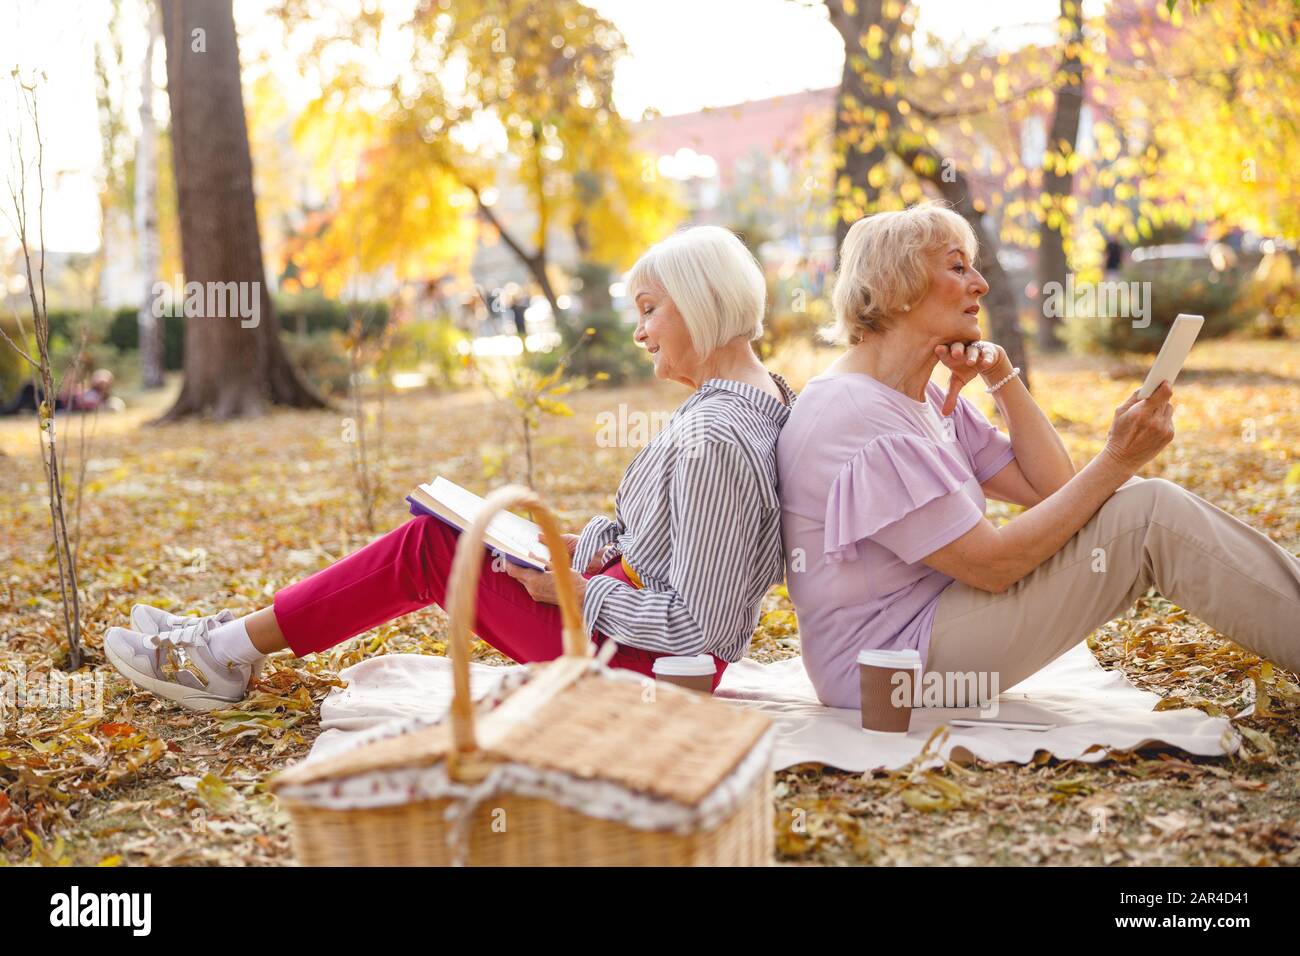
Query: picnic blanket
1093	711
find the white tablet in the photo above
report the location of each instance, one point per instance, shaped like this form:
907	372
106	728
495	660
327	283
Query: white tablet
1173	353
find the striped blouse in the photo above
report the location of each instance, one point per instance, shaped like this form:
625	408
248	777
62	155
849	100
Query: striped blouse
698	519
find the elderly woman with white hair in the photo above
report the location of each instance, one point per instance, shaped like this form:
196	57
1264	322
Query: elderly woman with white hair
680	570
883	478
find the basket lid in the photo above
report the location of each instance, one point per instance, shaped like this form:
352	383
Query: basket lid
651	739
663	741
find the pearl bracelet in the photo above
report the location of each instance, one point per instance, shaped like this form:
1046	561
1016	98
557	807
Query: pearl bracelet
1014	372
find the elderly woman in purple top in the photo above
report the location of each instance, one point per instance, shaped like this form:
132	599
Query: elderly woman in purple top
884	477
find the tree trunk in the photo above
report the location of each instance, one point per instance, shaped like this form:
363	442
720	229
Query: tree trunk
1000	303
1052	263
235	364
146	219
537	266
594	276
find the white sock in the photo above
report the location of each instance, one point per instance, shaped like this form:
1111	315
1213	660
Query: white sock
230	643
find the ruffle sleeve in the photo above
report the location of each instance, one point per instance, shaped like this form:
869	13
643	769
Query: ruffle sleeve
890	478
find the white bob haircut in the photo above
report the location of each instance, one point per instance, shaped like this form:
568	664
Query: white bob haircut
713	280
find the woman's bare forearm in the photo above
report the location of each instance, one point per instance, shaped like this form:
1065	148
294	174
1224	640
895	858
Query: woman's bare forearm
1033	536
1042	456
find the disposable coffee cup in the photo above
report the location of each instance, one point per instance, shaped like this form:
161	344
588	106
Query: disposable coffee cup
693	673
882	712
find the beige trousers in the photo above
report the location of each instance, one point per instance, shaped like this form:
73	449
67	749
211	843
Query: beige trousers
1149	532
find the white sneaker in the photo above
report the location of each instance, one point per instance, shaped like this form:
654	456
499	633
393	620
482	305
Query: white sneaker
146	619
178	664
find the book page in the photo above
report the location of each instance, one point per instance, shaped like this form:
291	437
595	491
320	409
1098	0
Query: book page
519	533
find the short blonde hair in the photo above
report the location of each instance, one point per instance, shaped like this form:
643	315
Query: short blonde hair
714	281
883	266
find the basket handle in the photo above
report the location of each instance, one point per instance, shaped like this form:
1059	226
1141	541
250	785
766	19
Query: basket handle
463	589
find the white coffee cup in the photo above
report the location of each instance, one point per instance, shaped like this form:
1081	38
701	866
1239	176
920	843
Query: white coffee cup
876	678
695	673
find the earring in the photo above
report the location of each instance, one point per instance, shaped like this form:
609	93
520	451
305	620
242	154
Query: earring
907	307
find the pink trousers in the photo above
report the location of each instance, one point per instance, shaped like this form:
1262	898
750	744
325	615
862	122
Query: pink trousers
408	569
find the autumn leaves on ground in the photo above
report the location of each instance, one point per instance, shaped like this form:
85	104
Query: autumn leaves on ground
201	516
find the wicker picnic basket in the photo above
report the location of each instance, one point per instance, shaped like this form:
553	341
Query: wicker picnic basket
570	763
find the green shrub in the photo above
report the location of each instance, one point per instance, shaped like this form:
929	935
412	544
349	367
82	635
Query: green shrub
1176	286
308	311
323	358
430	346
124	335
611	350
311	312
14	370
66	348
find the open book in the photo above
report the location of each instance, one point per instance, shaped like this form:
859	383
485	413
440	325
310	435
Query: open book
516	539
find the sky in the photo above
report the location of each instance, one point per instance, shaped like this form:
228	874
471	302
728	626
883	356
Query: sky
684	55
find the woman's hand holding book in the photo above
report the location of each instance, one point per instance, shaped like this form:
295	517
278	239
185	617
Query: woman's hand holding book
541	584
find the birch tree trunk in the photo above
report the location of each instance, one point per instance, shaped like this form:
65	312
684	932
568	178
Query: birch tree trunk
146	217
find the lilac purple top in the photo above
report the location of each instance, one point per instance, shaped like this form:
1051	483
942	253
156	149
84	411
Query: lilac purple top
871	481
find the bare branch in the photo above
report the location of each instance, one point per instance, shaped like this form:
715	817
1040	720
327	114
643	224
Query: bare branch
486	212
